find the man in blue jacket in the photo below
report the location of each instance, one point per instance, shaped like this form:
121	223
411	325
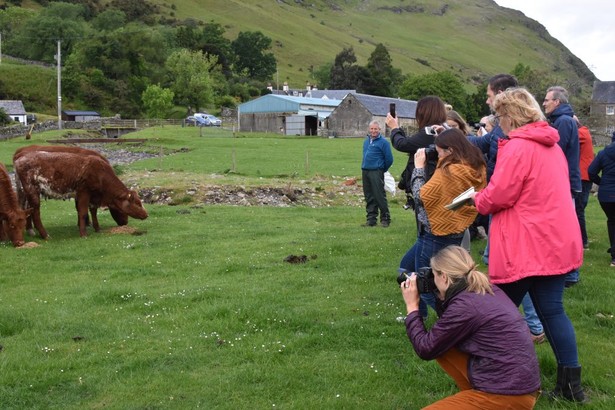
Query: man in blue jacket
377	159
560	115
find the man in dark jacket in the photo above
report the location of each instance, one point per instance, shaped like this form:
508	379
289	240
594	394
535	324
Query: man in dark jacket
488	143
377	159
561	116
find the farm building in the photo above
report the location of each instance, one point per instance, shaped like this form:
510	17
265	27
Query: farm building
80	116
15	110
285	114
602	111
352	116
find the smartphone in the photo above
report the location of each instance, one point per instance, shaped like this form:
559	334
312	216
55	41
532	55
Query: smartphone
392	110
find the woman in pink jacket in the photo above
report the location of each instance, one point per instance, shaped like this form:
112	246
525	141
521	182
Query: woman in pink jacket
535	237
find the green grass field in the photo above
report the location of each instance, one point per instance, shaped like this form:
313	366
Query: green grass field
198	308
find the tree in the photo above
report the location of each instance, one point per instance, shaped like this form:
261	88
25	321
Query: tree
252	58
4	118
109	20
384	78
344	72
322	76
157	101
214	43
59	21
191	79
443	84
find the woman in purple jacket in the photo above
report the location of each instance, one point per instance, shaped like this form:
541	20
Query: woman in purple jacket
480	339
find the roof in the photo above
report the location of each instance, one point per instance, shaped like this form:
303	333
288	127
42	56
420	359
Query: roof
285	103
13	107
379	106
330	94
604	92
82	113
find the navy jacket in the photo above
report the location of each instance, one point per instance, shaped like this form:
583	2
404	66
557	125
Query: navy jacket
491	331
488	144
561	119
604	164
377	154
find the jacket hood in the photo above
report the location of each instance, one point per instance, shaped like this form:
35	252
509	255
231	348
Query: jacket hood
540	132
562	109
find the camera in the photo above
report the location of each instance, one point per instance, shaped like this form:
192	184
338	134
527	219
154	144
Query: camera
425	282
392	110
478	125
430	131
431	154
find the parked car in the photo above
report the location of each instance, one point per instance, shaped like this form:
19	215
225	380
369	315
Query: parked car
31	118
213	120
198	121
203	120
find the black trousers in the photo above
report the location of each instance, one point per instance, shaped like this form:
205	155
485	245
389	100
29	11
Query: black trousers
375	196
609	211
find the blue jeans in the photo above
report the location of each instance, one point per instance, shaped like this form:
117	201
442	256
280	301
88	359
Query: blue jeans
573	276
486	252
547	293
419	255
580	204
530	315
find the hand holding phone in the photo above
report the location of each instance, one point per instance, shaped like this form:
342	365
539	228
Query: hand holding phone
392	110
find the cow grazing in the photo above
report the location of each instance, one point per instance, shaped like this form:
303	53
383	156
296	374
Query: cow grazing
12	216
95	202
91	178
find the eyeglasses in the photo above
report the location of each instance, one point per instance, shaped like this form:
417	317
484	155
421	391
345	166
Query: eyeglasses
498	116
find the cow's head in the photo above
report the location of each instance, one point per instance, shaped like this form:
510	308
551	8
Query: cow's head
130	204
14	224
119	217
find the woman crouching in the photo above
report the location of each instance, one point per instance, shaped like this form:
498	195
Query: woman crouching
480	339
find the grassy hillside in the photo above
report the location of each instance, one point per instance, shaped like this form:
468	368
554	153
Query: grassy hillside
472	39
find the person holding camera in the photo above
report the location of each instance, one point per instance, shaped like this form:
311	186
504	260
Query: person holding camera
480	339
430	111
535	237
460	166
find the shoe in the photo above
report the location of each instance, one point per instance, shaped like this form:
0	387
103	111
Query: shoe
369	225
585	246
613	263
538	339
385	224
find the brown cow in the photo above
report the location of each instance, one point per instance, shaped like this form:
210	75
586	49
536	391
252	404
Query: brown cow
90	177
95	202
12	216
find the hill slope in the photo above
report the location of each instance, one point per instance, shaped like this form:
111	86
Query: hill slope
473	39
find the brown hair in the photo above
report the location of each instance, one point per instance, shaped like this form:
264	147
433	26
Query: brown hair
456	263
430	110
463	126
462	151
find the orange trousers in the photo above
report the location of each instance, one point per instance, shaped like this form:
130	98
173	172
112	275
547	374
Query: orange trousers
455	363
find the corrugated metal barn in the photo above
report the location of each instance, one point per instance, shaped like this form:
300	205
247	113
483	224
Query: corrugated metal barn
352	116
286	115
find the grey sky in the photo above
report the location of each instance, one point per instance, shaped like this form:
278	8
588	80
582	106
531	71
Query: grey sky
585	27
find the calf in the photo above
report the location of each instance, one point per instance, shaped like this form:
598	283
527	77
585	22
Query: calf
59	173
12	216
95	202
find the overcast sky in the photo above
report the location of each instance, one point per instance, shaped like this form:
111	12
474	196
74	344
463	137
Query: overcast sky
586	27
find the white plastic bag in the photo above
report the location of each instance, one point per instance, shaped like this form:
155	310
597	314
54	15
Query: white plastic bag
389	183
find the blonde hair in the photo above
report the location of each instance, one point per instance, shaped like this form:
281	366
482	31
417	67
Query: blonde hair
456	263
519	105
